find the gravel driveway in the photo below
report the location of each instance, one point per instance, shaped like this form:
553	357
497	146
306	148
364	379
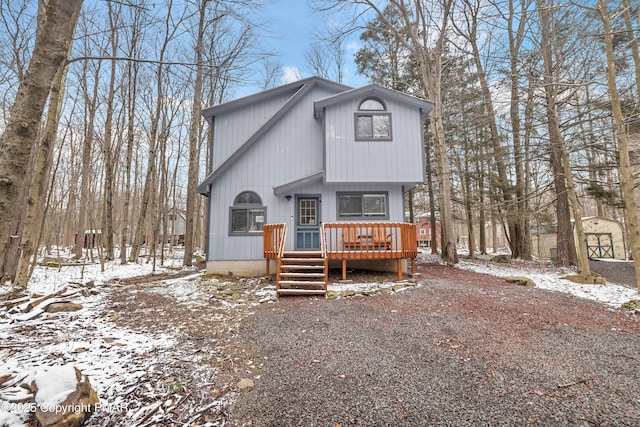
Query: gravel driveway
620	272
463	349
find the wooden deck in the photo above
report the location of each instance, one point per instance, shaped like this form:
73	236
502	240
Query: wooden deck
341	242
371	241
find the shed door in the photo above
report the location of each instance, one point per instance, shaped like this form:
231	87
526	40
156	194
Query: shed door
599	245
307	223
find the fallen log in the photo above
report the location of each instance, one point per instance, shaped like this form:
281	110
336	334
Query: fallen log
24	308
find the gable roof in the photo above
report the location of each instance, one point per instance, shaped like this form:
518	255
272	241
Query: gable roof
271	93
372	90
289	186
299	89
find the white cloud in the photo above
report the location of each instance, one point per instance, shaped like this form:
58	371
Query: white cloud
353	46
291	74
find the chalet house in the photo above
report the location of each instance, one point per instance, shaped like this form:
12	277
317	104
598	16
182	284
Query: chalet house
327	163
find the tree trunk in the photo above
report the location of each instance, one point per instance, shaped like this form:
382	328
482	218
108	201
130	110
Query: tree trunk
56	24
447	236
430	193
633	42
504	186
565	242
109	168
431	75
469	208
194	137
131	104
521	239
626	173
87	146
37	188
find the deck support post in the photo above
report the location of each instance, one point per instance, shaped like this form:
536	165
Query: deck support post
344	269
399	269
267	273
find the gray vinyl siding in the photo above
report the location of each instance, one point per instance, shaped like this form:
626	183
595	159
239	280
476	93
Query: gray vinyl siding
398	160
234	127
279	210
328	202
291	149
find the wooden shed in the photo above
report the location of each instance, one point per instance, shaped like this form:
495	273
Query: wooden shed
605	238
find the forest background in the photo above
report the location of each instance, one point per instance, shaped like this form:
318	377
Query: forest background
535	122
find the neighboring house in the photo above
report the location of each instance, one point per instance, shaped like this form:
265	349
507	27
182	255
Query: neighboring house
93	239
306	154
423	231
544	245
176	226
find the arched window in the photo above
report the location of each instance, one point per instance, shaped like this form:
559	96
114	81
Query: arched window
247	214
247	198
371	104
372	121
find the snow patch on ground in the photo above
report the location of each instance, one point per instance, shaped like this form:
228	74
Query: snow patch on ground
116	359
611	294
112	357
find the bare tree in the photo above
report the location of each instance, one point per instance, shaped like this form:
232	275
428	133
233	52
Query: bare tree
317	60
565	242
194	135
56	25
132	89
517	21
107	143
470	31
325	58
91	103
626	173
271	71
170	30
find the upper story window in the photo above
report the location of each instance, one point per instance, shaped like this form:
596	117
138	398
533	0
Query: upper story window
247	214
373	122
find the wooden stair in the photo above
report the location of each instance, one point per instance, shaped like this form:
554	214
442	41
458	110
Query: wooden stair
302	273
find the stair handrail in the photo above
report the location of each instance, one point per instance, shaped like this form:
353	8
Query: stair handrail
281	245
275	236
283	241
323	249
323	241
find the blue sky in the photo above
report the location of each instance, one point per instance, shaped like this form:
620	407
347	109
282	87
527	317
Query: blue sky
292	25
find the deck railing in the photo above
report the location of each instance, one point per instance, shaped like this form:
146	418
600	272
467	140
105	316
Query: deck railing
371	240
351	241
275	238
